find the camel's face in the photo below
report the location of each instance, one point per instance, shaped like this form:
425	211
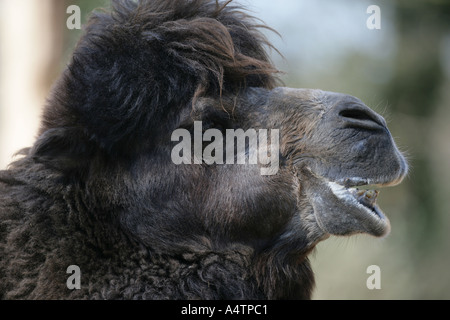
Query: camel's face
329	144
340	144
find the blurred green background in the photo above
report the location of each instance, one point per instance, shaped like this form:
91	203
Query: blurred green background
401	70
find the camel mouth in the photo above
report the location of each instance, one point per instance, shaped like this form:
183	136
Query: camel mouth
351	207
344	207
363	198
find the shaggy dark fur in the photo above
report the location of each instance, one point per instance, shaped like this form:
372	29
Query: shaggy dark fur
131	74
98	188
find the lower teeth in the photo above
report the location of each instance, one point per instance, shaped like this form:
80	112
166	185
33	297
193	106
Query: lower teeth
365	197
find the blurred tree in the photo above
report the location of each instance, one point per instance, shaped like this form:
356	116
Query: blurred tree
415	86
414	91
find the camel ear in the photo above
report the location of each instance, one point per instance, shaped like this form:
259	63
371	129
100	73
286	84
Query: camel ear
65	149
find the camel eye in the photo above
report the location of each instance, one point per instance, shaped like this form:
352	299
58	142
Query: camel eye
212	123
214	119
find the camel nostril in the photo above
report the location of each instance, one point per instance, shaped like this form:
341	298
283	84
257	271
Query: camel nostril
355	114
359	116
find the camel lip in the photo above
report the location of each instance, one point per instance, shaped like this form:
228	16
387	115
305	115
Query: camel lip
368	182
366	208
362	182
341	209
346	211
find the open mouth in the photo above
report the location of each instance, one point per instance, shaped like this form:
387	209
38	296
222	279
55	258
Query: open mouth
356	199
364	198
346	206
368	199
358	193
